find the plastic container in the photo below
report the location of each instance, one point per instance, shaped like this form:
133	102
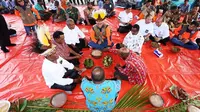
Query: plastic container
158	53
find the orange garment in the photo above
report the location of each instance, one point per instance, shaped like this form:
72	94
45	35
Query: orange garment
17	13
156	17
106	36
141	16
63	4
187	35
176	30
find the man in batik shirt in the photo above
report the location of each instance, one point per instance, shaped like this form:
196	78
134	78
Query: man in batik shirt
134	71
100	93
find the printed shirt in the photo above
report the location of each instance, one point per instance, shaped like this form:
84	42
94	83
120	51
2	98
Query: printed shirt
134	42
72	35
135	69
101	97
62	50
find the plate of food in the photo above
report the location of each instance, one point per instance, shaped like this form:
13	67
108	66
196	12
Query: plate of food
58	100
178	92
156	100
107	61
96	53
155	45
88	63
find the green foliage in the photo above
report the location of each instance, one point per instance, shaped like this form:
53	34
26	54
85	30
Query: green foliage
182	107
135	99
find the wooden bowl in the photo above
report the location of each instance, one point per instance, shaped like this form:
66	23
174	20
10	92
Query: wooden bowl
58	100
96	53
156	100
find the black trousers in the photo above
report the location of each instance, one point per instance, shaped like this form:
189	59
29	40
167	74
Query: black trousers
124	29
162	41
91	21
69	74
79	46
74	61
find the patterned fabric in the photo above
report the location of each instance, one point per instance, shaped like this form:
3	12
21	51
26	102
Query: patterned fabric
73	13
135	69
134	42
100	97
62	50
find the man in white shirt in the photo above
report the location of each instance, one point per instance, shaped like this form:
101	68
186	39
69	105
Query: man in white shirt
160	32
146	27
134	40
125	18
74	37
59	73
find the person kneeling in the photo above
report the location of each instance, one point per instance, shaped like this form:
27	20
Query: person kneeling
59	73
100	33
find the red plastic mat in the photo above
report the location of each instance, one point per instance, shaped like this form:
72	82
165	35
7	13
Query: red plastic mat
20	70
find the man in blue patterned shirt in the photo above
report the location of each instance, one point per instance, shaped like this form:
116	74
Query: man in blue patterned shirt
100	93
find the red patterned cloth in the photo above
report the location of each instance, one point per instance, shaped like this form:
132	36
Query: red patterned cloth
135	69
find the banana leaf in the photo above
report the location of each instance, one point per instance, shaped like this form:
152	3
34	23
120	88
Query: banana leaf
135	99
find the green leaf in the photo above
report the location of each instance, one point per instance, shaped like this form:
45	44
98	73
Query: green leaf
23	105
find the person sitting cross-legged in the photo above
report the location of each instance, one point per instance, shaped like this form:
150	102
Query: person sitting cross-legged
160	32
134	70
100	33
146	26
59	73
89	20
100	93
125	18
60	15
44	14
73	13
134	40
63	50
74	37
109	7
187	36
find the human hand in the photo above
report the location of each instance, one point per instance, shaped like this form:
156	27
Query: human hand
118	65
99	42
77	22
180	37
80	71
157	39
77	80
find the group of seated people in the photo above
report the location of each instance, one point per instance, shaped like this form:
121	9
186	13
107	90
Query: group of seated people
61	64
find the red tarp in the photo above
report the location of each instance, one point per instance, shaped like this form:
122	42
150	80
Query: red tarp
20	70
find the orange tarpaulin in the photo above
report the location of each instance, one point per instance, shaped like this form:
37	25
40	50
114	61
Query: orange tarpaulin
20	70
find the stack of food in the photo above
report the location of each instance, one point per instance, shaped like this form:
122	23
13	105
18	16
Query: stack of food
175	49
107	61
88	63
156	100
155	45
178	93
96	53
